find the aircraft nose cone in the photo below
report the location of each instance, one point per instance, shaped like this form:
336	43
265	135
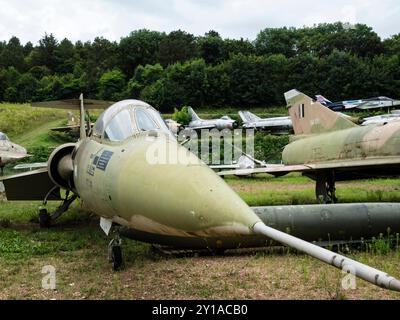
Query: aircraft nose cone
180	197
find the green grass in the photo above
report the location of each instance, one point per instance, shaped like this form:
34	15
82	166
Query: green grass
294	189
17	119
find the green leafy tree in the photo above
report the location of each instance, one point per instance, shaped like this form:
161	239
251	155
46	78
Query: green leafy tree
211	47
139	48
45	53
392	45
144	76
65	57
276	41
234	47
26	87
12	55
8	78
111	84
177	46
181	116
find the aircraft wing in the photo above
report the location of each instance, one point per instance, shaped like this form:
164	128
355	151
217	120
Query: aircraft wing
69	128
208	126
31	186
30	166
276	170
12	155
74	104
65	129
223	166
281	169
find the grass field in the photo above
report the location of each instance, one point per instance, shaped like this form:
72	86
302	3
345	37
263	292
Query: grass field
77	247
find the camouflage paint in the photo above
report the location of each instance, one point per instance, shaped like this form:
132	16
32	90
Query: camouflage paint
338	139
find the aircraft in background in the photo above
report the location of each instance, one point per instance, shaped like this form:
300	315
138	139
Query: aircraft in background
173	126
276	125
328	147
360	104
118	175
197	123
244	162
9	152
382	119
73	126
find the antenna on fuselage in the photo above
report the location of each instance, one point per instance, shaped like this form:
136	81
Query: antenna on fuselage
82	129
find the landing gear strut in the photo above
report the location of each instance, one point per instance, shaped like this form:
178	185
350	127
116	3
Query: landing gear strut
45	218
325	189
115	252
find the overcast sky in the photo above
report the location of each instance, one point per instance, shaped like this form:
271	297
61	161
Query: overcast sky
86	19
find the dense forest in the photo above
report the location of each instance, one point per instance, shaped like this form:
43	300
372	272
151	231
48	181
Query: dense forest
178	68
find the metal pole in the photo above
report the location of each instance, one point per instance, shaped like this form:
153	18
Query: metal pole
362	271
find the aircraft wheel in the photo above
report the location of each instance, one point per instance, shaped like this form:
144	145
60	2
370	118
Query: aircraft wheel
117	257
321	191
44	219
115	254
325	189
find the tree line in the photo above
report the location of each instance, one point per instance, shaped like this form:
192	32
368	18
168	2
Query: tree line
337	60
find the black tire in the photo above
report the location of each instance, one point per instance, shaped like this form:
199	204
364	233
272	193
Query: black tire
116	254
44	219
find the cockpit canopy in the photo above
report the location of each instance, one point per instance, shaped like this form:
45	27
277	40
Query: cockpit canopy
3	136
226	118
126	118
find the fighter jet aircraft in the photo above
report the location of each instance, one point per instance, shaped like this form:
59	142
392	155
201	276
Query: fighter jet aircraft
382	119
73	126
329	147
276	125
9	152
173	126
360	104
197	124
132	171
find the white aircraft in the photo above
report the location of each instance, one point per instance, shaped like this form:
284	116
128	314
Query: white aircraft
9	151
382	119
197	123
276	125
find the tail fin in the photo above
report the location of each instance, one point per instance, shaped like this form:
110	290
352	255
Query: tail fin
311	117
193	114
321	99
247	116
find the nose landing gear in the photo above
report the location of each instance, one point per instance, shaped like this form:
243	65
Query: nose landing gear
115	253
325	189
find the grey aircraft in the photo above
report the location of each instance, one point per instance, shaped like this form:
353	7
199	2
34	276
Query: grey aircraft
276	125
9	152
197	123
382	119
359	104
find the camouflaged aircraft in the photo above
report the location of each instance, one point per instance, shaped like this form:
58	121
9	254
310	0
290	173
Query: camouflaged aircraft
9	152
328	147
131	171
197	123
